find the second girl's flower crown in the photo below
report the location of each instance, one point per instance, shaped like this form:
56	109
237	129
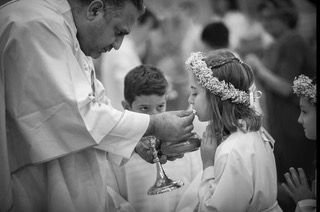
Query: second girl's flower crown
302	86
224	90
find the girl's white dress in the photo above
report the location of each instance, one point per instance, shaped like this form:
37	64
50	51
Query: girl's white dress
243	177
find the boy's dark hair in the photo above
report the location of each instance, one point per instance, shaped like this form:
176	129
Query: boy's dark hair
216	35
144	80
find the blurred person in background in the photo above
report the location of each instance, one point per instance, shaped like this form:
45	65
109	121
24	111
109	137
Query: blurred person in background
191	12
288	56
307	23
246	34
228	12
215	35
255	39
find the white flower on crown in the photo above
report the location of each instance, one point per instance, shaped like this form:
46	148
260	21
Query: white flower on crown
225	90
302	86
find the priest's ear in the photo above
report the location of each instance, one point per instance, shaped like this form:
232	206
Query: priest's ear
125	105
96	9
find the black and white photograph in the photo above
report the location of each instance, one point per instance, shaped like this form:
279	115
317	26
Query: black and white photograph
158	106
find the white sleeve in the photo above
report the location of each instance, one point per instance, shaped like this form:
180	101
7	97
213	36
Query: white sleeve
189	199
306	205
225	186
48	98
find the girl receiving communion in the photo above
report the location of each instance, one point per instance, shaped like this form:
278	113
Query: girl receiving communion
239	171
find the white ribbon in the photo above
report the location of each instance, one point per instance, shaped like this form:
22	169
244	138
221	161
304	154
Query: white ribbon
254	96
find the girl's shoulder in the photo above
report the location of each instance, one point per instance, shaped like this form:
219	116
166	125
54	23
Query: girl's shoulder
241	136
239	141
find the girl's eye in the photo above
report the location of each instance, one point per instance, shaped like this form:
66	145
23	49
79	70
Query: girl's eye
121	32
117	32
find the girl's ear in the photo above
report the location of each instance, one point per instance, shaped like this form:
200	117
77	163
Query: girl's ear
125	105
96	8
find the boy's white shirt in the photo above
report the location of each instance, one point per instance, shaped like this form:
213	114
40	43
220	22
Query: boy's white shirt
136	176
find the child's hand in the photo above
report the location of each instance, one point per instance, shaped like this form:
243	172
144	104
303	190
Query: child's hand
297	185
208	147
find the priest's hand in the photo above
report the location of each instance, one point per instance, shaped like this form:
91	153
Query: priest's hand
171	126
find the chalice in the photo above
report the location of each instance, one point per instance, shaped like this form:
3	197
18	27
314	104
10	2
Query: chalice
163	183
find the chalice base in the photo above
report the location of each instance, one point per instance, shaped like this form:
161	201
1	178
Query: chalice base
164	185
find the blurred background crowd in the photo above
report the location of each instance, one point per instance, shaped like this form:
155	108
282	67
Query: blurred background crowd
172	29
277	38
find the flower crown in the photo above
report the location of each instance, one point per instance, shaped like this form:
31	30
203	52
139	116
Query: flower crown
224	90
302	86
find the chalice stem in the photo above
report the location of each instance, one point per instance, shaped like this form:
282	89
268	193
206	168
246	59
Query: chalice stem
163	183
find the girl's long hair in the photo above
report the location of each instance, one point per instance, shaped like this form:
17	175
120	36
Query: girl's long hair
225	115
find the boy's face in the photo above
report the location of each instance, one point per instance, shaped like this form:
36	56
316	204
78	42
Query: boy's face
149	104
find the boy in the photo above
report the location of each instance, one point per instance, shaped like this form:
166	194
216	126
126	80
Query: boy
145	89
